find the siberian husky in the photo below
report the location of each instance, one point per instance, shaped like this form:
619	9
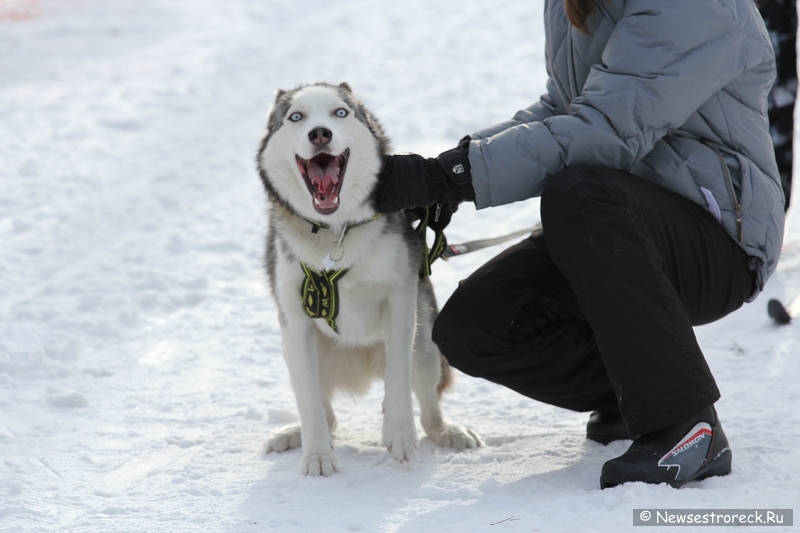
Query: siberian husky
351	305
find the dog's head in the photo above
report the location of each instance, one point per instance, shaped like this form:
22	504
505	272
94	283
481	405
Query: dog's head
322	152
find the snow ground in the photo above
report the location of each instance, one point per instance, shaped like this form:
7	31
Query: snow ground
140	364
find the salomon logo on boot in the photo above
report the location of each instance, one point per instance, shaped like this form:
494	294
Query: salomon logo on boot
688	455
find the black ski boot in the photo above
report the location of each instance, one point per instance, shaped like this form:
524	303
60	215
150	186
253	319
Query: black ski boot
605	428
691	450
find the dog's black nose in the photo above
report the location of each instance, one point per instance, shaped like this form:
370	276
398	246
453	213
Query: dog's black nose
320	136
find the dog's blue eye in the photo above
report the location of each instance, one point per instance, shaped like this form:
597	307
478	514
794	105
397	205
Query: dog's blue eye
296	117
341	112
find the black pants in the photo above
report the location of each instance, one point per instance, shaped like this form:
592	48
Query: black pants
596	312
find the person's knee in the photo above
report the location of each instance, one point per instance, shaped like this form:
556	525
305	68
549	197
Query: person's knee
454	327
452	319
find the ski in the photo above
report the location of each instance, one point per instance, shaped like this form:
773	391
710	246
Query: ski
783	315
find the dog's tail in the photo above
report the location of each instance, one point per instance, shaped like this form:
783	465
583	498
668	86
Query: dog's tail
446	379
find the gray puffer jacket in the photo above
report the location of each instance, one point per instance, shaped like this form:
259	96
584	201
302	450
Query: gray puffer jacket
665	89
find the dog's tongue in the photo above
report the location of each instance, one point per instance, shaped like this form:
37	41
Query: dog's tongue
324	181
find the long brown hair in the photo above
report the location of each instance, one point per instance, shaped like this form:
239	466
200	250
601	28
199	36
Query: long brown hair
577	11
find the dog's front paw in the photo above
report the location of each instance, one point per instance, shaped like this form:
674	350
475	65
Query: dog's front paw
455	436
283	439
319	464
400	440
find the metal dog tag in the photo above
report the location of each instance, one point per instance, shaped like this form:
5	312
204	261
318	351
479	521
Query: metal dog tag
328	263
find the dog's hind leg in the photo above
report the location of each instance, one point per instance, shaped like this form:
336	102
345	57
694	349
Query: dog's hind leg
290	437
430	376
425	379
285	438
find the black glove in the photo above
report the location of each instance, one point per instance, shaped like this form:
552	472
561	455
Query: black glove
407	181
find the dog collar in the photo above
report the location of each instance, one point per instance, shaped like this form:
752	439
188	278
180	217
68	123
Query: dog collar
315	225
328	262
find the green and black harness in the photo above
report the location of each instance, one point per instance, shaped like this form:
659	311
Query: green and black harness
320	291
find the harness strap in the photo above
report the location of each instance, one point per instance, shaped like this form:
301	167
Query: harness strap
320	294
439	240
320	291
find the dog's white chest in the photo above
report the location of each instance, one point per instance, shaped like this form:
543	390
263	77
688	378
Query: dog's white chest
362	295
347	303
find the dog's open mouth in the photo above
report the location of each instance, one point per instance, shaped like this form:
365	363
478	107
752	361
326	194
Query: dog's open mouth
324	175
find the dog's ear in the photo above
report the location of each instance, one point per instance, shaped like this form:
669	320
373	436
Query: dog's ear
345	87
279	93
